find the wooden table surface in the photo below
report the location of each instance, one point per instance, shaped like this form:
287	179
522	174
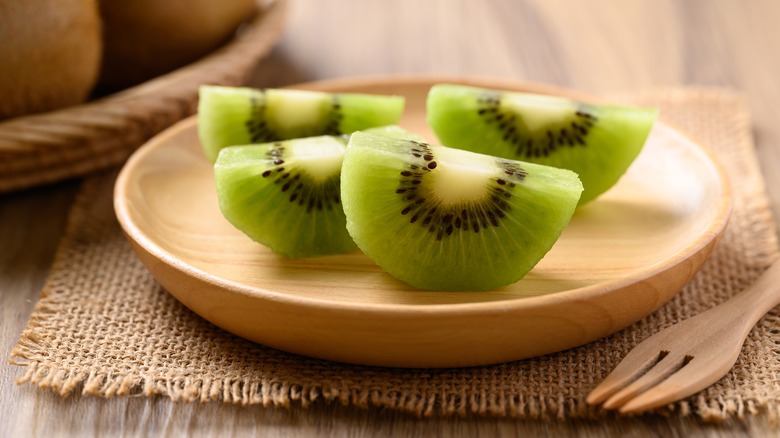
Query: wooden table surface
595	46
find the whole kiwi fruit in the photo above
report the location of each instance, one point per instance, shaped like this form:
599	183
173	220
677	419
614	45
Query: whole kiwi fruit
49	55
146	38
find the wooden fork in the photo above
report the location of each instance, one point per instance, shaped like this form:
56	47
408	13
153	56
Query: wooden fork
687	357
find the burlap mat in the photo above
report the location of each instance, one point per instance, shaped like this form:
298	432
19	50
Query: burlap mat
103	326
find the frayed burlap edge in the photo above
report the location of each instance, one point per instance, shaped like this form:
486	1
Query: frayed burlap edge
251	392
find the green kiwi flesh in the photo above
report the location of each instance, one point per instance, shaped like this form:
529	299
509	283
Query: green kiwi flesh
439	218
229	116
394	131
285	194
598	142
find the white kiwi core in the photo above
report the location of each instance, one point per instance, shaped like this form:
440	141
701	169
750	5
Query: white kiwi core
538	112
292	109
320	157
461	177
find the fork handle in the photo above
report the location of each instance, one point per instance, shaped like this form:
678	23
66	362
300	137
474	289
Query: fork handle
756	300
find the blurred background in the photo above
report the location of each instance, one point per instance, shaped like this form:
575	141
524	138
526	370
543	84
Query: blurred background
598	45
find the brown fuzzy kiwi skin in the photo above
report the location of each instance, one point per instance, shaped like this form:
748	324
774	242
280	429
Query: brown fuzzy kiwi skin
49	54
147	38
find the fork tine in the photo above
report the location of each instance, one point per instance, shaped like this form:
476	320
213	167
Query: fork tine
685	382
636	363
671	389
663	369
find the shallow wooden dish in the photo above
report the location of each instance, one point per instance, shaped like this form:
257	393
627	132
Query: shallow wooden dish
621	257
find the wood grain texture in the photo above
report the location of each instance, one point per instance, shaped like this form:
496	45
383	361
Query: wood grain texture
596	46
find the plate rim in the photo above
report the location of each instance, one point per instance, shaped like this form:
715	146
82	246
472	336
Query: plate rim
134	233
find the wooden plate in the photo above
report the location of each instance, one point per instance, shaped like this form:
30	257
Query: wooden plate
621	257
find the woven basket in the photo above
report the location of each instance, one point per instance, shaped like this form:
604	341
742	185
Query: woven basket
75	141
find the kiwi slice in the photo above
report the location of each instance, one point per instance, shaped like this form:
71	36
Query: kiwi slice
598	142
285	194
230	116
447	219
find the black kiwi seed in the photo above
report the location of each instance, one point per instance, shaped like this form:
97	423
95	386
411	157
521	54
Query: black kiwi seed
306	193
535	145
444	221
333	126
259	132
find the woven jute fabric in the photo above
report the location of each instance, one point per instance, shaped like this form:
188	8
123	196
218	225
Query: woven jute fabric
103	326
